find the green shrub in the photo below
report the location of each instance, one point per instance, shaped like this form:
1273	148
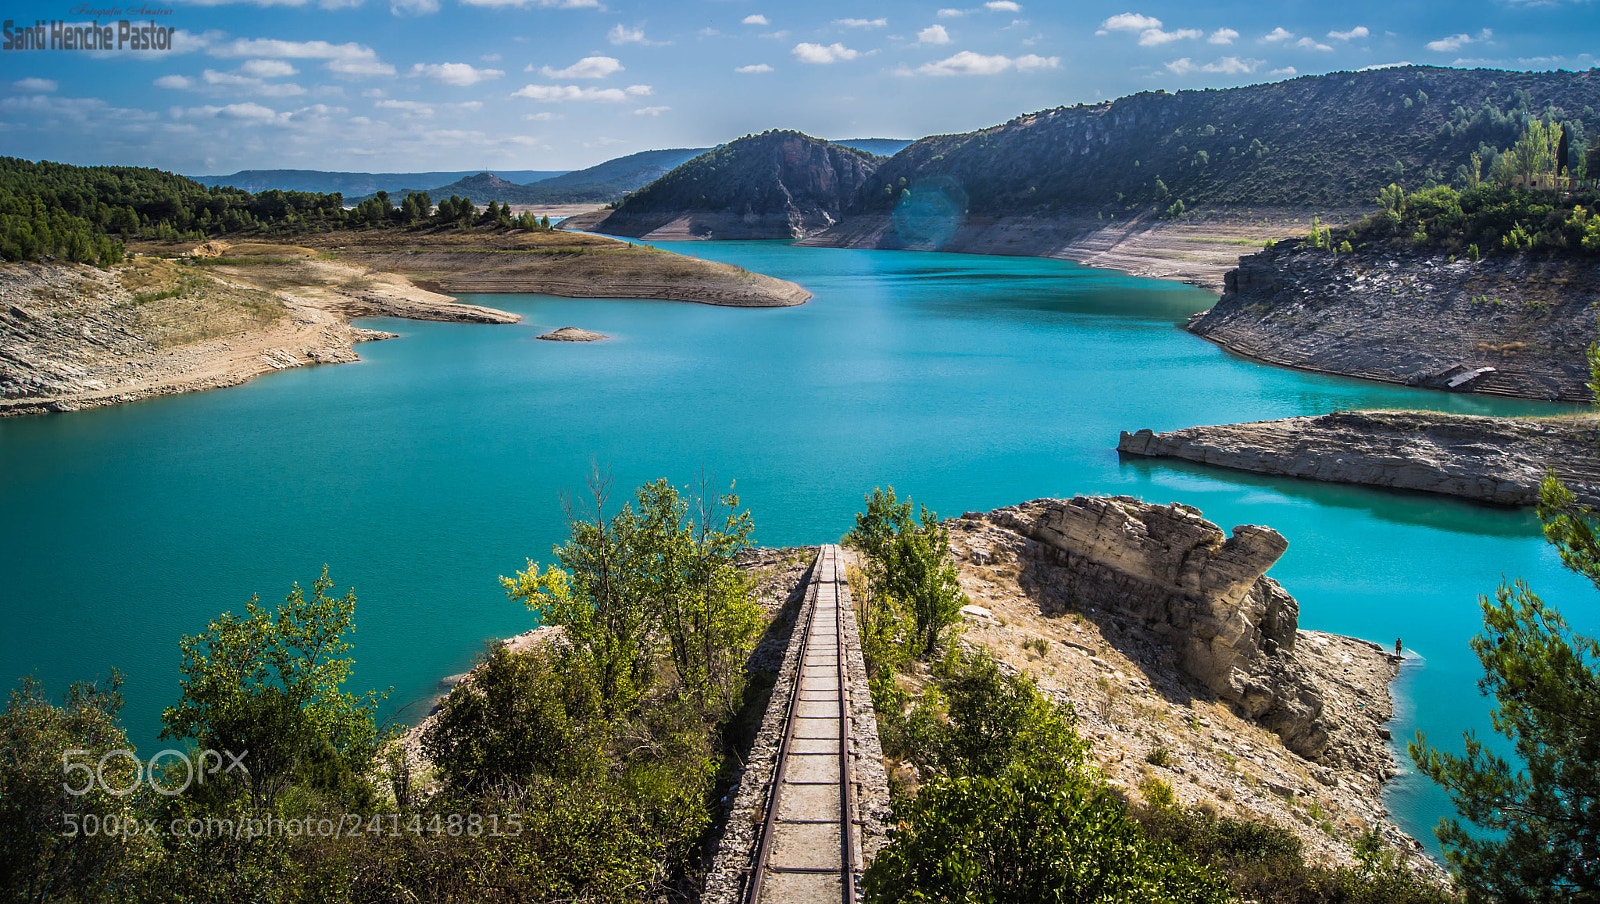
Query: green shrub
1028	835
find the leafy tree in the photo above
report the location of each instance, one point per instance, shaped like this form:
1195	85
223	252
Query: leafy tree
523	715
600	596
645	572
41	797
703	602
909	565
1534	154
1542	842
268	685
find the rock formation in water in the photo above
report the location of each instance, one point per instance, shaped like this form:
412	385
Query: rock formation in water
1176	579
1514	325
777	185
1488	459
572	334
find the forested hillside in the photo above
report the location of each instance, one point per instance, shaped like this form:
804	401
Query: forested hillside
79	213
51	211
1316	142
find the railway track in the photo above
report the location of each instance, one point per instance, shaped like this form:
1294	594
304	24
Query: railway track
809	847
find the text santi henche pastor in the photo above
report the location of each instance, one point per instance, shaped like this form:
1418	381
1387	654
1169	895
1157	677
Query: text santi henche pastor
58	35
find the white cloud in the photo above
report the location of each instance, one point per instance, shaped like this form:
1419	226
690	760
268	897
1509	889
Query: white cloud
542	116
1155	37
267	69
232	84
458	74
755	67
755	19
1277	36
413	7
650	111
1130	22
1284	72
588	67
35	85
408	107
490	58
554	94
820	54
622	34
245	112
968	63
1004	6
1360	31
344	59
544	4
1453	43
1231	65
1033	61
1222	36
861	23
952	13
1309	44
933	34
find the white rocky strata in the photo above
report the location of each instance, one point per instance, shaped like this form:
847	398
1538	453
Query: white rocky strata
1514	325
1488	459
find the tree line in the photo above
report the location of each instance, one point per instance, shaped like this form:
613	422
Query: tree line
84	214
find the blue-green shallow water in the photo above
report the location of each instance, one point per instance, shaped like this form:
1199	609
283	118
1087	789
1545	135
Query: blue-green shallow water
439	462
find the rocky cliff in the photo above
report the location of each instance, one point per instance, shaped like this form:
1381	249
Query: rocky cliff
777	185
1183	586
1513	325
1488	459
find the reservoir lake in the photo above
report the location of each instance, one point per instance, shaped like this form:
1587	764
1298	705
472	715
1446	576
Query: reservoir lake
440	462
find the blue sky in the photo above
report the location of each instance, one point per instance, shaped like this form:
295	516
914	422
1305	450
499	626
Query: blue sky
405	85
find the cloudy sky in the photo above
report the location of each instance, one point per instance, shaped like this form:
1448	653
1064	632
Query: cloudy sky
404	85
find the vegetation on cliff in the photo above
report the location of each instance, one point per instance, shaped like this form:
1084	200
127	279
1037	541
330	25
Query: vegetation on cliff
1326	141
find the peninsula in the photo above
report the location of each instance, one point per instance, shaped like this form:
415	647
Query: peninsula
180	317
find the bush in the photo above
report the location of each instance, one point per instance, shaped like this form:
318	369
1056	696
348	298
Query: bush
1028	835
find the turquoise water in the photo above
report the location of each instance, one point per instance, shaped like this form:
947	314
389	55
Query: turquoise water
439	462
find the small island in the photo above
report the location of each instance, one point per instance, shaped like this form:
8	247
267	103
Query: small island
573	334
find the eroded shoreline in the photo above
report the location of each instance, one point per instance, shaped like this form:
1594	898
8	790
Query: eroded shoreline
77	337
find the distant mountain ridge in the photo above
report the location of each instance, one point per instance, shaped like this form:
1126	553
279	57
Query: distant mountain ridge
355	185
1034	185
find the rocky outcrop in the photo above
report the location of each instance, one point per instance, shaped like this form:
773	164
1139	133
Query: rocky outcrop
1487	459
572	334
1190	588
1513	325
777	185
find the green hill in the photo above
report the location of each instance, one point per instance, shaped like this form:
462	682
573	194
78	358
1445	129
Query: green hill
773	185
1316	142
